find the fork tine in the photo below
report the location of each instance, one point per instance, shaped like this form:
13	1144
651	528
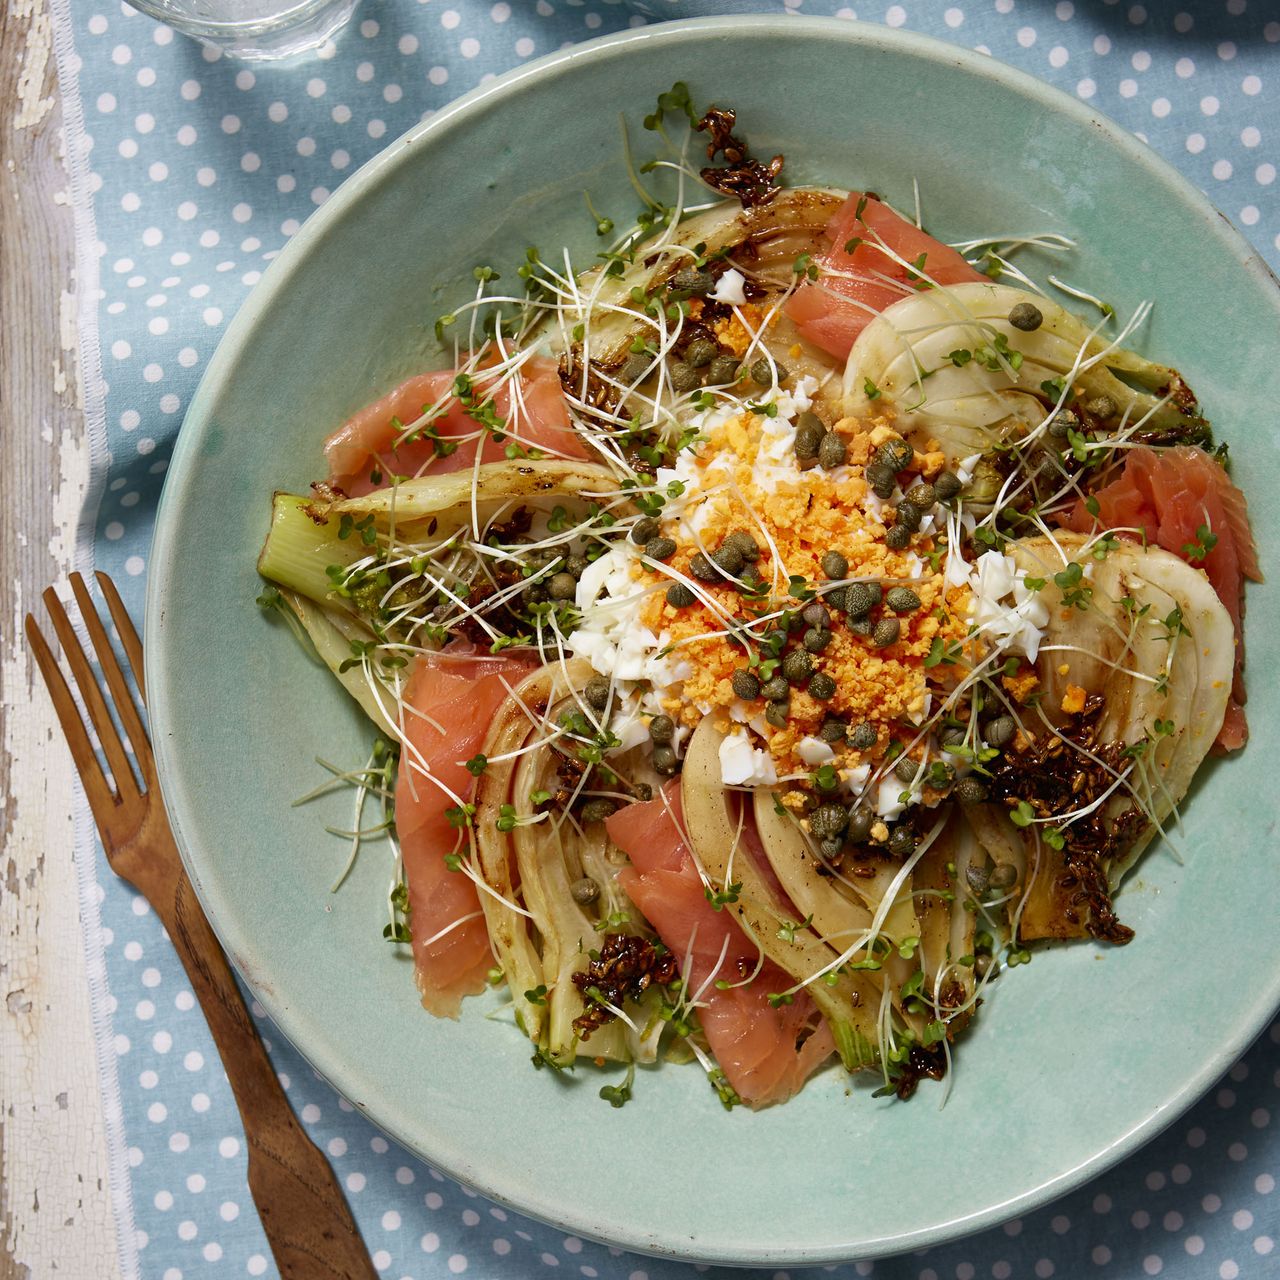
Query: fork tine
94	702
101	799
124	625
116	682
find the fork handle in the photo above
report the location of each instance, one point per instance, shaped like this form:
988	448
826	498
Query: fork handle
304	1214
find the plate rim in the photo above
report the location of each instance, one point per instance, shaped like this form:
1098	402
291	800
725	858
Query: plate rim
182	474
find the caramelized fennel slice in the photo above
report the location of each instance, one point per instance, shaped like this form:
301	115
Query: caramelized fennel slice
850	1006
1155	642
451	497
724	228
509	931
549	857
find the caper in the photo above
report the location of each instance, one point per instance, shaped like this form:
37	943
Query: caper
923	495
832	848
750	581
815	615
584	891
642	792
902	600
908	515
762	372
977	877
700	353
662	729
902	843
860	824
576	565
1026	316
776	714
1004	875
692	280
634	367
679	596
946	484
835	565
776	689
1000	731
860	598
644	529
880	479
906	769
597	692
748	548
970	791
797	666
983	965
808	439
862	737
775	638
832	451
702	569
828	820
1101	407
722	370
664	759
795	621
536	593
953	737
822	687
898	538
816	639
598	809
683	377
729	559
660	548
861	626
1063	424
809	420
746	685
886	632
834	600
833	730
562	586
895	454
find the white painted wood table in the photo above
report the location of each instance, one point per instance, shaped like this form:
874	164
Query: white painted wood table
55	1210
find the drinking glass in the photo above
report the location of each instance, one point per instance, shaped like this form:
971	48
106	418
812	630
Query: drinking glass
253	30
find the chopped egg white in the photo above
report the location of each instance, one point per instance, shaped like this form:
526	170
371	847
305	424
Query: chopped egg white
813	751
742	765
1003	608
729	288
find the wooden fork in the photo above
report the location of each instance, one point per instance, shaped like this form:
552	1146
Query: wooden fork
306	1219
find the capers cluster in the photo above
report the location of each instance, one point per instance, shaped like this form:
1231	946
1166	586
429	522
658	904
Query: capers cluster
816	444
889	461
733	561
835	827
562	584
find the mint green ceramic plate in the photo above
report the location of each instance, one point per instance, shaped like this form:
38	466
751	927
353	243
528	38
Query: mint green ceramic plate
1076	1060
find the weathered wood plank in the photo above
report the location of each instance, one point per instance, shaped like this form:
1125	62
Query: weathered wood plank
55	1207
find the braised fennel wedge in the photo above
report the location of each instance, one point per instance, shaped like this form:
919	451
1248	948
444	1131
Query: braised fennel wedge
774	629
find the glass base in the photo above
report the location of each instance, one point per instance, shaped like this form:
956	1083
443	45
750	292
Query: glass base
253	30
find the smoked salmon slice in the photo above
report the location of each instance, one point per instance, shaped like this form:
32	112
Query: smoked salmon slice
859	279
1172	494
450	700
363	454
765	1053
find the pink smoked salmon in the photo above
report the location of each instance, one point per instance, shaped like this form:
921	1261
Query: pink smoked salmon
1171	494
362	453
834	309
460	692
766	1054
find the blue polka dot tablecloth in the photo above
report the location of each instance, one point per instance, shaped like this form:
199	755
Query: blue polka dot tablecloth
189	173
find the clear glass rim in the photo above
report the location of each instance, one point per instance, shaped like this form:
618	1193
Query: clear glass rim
236	28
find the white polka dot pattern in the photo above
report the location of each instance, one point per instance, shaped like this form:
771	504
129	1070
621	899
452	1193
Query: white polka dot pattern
200	170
